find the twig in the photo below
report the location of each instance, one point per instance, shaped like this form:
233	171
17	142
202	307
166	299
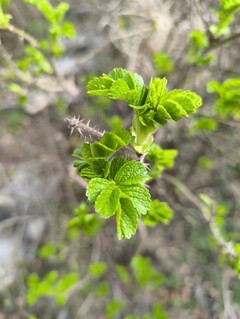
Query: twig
227	247
24	35
85	130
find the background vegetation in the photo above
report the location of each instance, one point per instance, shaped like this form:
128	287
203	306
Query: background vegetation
57	258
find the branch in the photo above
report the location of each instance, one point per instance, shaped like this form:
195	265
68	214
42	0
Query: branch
227	247
23	35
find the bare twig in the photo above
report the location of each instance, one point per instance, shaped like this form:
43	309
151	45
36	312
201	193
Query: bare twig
23	35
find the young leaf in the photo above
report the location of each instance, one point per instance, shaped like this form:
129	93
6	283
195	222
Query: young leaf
139	196
116	164
107	201
95	187
132	172
119	84
144	272
110	143
98	269
127	219
159	212
160	159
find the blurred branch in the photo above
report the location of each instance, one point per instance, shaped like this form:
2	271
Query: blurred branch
23	35
18	73
227	247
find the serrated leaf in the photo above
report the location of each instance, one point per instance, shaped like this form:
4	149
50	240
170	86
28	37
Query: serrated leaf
86	151
157	90
139	196
110	142
99	86
118	84
95	187
132	172
107	201
127	219
123	136
101	150
116	164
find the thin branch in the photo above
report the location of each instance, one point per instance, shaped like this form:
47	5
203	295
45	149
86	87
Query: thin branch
23	35
227	247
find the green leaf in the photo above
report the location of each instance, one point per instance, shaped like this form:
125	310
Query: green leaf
95	187
98	269
228	97
122	273
159	212
132	172
144	272
185	103
160	159
119	84
113	307
43	6
107	201
4	19
110	143
204	124
67	30
116	164
127	219
162	63
230	4
157	90
60	11
139	196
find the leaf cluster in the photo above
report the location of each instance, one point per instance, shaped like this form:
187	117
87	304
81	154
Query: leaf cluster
51	285
228	97
152	105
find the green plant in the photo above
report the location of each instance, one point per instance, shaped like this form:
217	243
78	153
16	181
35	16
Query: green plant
117	183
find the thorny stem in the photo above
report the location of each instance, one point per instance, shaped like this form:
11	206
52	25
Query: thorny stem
86	131
83	129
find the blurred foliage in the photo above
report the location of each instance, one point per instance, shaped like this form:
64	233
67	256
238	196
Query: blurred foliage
192	257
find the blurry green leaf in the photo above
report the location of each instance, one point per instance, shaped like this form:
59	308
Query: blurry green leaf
145	273
162	63
103	289
198	39
47	250
228	97
96	270
122	273
113	307
83	220
4	19
67	30
206	162
159	212
160	159
50	285
205	124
